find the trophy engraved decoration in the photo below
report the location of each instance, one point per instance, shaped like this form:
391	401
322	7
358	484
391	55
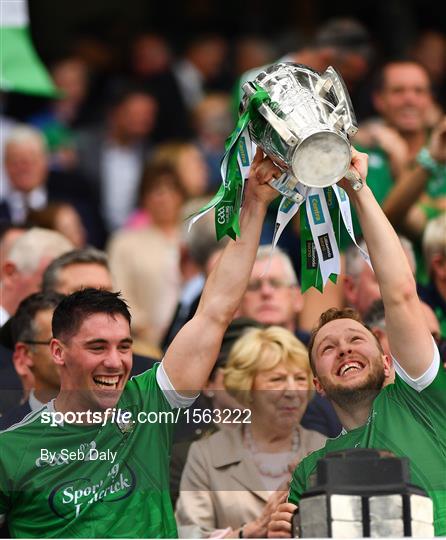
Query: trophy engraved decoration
303	121
306	130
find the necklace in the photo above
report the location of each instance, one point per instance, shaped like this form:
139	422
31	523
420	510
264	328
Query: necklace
273	467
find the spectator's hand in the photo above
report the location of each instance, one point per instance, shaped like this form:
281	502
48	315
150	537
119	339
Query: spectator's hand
359	168
437	145
389	140
262	171
259	527
280	523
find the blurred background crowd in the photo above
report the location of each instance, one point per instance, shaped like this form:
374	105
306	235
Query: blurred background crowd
132	146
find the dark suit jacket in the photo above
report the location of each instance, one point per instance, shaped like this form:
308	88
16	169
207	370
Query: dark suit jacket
11	391
14	415
72	187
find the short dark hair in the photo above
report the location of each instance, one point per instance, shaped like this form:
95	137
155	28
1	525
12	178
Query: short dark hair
379	81
22	323
76	307
88	255
334	314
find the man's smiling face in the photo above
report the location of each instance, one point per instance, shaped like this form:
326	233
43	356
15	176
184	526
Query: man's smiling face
95	362
348	363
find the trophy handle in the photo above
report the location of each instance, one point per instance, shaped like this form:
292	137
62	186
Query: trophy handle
331	80
271	117
355	180
286	185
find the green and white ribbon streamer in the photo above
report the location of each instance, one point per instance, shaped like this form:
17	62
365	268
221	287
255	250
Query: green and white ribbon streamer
344	206
287	210
321	227
234	170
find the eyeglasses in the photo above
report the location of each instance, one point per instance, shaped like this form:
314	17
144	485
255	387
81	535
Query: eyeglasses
36	342
275	283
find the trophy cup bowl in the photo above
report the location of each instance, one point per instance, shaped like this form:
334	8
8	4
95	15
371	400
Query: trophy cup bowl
306	127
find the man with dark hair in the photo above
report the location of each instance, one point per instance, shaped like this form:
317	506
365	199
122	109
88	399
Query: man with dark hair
94	462
405	417
31	333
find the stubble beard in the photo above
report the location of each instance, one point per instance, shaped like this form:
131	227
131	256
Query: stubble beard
365	392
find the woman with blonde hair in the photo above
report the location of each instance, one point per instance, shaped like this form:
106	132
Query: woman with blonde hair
233	479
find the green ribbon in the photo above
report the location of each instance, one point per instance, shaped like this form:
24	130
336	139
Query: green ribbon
310	273
228	199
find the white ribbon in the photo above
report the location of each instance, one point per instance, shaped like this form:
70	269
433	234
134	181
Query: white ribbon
287	210
344	205
321	228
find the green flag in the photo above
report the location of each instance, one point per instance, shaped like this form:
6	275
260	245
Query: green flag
21	70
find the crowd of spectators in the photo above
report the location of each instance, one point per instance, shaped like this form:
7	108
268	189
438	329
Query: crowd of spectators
97	184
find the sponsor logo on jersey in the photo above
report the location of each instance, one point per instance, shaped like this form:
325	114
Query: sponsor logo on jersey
68	499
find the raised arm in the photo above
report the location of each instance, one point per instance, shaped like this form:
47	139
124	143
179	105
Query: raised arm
409	337
412	181
192	354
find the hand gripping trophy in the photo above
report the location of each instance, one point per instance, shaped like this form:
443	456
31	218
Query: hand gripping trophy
303	121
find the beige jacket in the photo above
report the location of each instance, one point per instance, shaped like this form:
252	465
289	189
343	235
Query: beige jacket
221	486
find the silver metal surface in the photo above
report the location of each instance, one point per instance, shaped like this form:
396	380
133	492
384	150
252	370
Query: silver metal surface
305	129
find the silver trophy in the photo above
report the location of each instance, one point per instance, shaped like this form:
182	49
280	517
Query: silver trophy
306	127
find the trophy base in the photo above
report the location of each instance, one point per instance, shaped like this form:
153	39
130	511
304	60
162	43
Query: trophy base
321	160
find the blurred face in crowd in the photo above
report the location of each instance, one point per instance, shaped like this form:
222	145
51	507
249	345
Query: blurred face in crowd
22	283
150	55
213	121
208	55
26	164
405	98
349	365
271	298
70	76
135	117
37	356
164	201
95	362
74	277
280	395
362	290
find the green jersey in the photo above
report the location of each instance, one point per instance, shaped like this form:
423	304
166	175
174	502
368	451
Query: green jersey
101	481
408	422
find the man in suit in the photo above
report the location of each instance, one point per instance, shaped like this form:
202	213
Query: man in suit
31	186
31	331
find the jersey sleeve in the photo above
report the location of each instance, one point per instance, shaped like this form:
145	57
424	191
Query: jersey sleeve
428	403
300	478
426	378
152	390
4	497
